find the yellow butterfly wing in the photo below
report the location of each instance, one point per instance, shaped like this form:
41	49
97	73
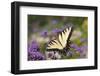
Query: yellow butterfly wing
61	40
63	37
54	45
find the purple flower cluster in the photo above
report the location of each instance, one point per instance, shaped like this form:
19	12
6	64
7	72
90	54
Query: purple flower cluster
35	56
54	21
55	31
34	52
33	47
80	49
53	55
44	33
69	53
73	46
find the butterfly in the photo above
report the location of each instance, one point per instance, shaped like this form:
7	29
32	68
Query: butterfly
61	43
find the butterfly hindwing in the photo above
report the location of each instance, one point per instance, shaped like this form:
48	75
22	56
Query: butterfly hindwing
54	44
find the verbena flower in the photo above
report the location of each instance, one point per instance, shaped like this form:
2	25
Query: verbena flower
82	48
78	48
69	54
83	52
33	47
74	46
55	31
44	33
35	56
54	21
34	52
52	55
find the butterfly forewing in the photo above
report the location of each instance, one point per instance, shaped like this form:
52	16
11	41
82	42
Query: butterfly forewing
63	37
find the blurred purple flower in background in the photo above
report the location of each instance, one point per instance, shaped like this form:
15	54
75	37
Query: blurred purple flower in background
80	49
33	47
83	52
44	33
84	48
55	31
54	21
34	52
69	54
35	56
73	46
52	55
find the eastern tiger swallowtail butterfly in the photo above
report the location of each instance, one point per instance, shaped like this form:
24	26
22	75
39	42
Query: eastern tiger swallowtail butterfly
61	43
